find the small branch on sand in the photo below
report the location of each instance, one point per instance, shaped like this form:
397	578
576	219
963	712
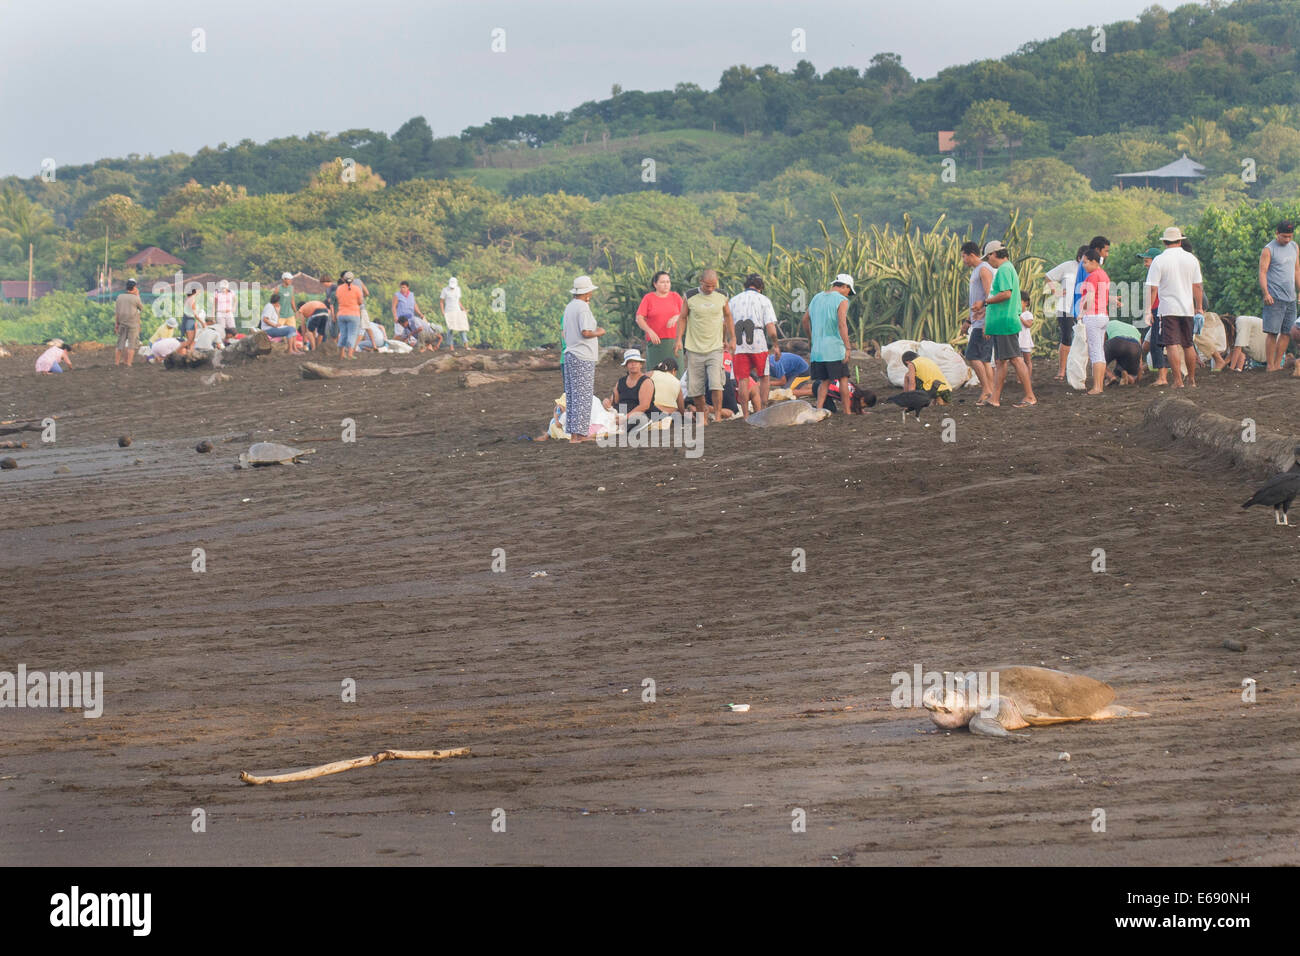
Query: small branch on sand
339	766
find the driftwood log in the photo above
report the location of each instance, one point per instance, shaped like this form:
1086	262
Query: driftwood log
339	766
236	353
478	379
508	362
1180	419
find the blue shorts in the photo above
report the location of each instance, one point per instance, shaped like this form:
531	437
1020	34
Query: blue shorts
187	324
281	331
1279	317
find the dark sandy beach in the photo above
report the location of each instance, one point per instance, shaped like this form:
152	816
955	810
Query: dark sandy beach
372	561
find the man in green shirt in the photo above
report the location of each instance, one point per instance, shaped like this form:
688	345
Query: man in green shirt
1002	323
706	326
288	308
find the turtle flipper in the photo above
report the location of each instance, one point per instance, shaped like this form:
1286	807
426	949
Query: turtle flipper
1117	710
989	727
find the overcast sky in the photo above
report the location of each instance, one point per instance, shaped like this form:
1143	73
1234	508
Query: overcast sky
80	81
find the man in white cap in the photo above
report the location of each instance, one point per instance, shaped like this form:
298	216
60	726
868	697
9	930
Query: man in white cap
1002	324
706	328
223	305
827	324
454	314
1175	276
288	308
126	324
581	352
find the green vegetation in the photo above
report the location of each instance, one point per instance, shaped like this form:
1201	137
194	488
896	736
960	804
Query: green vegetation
748	174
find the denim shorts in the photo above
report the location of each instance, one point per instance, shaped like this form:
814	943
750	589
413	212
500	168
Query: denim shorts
349	330
1279	317
187	324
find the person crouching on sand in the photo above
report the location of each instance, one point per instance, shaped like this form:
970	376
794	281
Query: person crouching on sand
54	359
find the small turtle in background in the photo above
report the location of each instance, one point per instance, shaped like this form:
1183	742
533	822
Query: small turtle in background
8	464
1278	492
124	441
203	447
271	453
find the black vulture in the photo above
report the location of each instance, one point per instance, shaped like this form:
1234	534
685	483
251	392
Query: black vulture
914	401
1278	492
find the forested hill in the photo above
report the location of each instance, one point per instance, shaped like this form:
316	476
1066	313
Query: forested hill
524	202
1139	80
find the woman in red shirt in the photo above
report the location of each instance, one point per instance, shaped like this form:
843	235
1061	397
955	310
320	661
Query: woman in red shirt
657	317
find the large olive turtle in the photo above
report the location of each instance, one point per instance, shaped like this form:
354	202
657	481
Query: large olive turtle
1021	697
797	412
271	453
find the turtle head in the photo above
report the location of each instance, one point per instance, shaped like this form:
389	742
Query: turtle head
950	706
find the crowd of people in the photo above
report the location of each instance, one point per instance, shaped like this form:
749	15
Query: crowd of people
731	352
718	356
338	316
1171	336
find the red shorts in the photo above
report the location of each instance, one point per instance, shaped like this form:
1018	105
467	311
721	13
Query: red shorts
744	361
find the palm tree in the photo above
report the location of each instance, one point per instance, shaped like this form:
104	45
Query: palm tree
23	222
1201	137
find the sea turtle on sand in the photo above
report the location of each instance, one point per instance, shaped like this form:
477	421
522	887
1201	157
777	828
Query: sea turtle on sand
1022	697
797	412
271	453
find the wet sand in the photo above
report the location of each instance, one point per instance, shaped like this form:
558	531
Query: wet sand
372	561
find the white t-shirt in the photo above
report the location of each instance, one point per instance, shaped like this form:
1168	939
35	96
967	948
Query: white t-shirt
752	312
379	333
1026	337
165	347
209	339
270	316
1173	273
1064	276
577	316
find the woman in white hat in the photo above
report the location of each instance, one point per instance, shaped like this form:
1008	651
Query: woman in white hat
454	314
581	351
634	393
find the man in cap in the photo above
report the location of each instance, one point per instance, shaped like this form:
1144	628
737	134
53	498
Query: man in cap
1151	342
827	324
1174	280
706	327
1002	324
1279	276
126	323
223	305
288	308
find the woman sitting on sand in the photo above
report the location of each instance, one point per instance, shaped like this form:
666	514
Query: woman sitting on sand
634	393
668	396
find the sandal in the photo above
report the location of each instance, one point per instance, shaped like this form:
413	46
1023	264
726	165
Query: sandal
1025	405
